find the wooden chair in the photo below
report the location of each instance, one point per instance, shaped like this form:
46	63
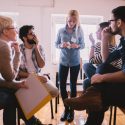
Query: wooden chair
113	111
18	117
51	106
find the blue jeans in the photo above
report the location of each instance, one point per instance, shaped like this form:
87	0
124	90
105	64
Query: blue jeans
9	103
63	74
89	70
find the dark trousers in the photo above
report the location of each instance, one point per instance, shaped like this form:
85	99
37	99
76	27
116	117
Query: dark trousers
63	74
112	94
9	103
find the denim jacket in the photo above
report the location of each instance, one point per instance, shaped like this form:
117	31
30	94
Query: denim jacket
70	57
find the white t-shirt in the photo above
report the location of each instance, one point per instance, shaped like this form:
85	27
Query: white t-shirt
29	62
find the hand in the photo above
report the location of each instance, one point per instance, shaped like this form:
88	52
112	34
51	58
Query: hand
106	34
15	45
22	85
91	38
96	79
74	45
43	79
35	39
65	45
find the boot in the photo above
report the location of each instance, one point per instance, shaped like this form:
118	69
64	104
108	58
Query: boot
70	116
95	118
65	114
90	100
34	121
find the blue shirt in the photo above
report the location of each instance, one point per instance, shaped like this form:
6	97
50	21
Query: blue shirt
70	57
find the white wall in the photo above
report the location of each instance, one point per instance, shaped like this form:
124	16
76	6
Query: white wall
38	13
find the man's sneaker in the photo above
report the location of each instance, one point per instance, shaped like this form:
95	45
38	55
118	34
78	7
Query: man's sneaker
90	100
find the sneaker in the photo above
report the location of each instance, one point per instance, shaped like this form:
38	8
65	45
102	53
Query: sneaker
90	100
37	122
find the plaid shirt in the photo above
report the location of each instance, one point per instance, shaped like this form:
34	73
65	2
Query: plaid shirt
23	64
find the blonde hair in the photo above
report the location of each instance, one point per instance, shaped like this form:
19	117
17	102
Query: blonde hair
5	22
75	14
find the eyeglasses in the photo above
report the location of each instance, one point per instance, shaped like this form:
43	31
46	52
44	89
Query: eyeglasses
112	20
32	34
15	28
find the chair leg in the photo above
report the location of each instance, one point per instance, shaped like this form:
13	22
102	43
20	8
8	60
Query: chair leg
56	103
110	118
58	99
18	117
115	110
51	105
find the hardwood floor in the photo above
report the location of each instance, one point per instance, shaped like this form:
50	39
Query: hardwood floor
80	116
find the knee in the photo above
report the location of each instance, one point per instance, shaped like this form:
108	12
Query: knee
86	66
54	92
103	68
86	84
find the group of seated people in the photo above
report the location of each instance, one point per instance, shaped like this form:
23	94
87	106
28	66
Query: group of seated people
103	87
16	63
105	72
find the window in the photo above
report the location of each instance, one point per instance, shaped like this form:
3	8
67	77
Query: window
12	15
88	24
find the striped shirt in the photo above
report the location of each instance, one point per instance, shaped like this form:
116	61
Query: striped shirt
97	58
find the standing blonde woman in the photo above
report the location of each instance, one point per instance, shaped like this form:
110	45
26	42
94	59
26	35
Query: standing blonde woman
69	40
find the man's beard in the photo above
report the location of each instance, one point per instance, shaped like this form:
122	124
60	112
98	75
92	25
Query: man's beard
117	31
31	41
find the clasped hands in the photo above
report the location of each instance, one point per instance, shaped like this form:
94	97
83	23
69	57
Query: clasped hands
69	45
